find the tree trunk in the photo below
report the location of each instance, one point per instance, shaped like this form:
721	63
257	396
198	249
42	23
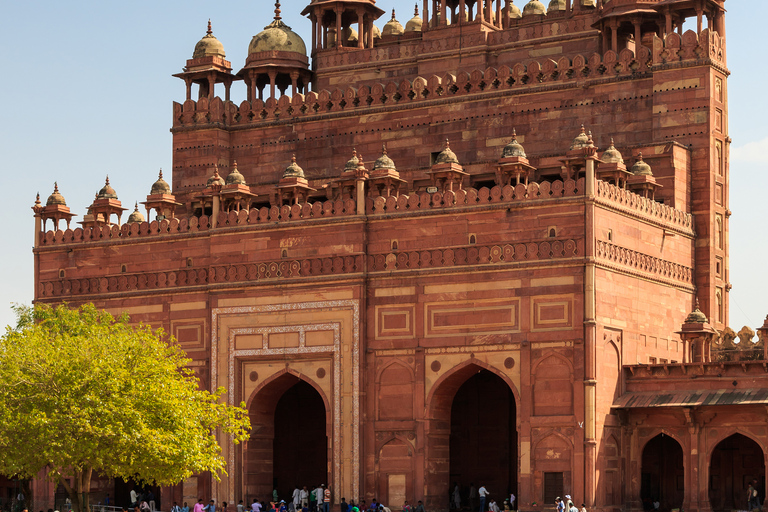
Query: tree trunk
80	492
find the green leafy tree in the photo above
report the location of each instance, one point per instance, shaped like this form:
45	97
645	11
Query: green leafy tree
83	392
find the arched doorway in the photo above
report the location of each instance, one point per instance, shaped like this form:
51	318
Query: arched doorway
289	439
736	462
473	437
663	474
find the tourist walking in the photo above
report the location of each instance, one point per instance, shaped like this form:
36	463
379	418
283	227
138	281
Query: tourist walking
483	493
472	497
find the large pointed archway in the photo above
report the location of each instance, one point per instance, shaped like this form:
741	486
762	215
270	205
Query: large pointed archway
736	462
663	473
289	441
472	437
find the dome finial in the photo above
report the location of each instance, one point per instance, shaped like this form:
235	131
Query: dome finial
136	206
161	173
55	187
293	158
216	171
37	199
210	30
393	13
514	134
447	144
416	10
384	148
107	183
277	11
589	138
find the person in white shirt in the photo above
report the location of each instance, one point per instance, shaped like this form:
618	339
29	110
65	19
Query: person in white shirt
256	506
319	496
512	501
134	497
483	493
296	498
304	496
492	506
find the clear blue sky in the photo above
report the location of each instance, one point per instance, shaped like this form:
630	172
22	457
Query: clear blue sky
88	92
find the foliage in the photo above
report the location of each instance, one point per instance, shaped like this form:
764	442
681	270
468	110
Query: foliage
81	391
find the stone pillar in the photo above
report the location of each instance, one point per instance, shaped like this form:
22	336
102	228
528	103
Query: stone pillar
294	82
339	42
699	18
360	29
489	11
505	18
215	211
227	90
668	19
211	85
590	340
252	88
615	35
188	82
638	34
425	17
443	13
272	79
360	196
314	35
498	14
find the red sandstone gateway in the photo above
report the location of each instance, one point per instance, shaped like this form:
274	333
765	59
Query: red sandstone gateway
420	270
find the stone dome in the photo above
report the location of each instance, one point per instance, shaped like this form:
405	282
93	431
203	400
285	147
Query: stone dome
277	36
514	148
384	162
415	23
234	177
107	192
612	155
447	156
160	186
393	27
209	46
215	179
514	12
136	216
376	32
534	7
351	164
641	168
556	5
696	316
582	140
56	198
349	35
293	170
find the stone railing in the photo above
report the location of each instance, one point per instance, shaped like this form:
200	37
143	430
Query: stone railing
637	261
629	202
741	346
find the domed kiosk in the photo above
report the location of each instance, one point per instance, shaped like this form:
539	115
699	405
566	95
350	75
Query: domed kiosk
208	67
333	17
277	57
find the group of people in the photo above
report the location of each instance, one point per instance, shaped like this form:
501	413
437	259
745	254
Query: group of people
141	502
479	498
567	505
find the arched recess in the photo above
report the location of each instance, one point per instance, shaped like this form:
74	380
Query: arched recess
610	471
395	472
395	392
609	383
478	401
552	456
662	473
553	387
289	443
735	462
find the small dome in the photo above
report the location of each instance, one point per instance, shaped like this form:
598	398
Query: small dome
384	162
293	170
556	5
393	27
216	179
136	216
351	164
209	46
56	198
234	177
277	36
534	7
160	186
582	140
415	23
447	156
514	148
514	12
612	155
641	168
696	316
349	35
107	192
376	32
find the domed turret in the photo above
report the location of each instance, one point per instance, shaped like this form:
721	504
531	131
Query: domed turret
641	168
216	179
514	11
293	170
136	216
415	23
384	162
209	46
393	27
376	32
447	156
234	177
514	148
612	155
107	192
56	198
160	186
696	316
277	36
351	164
556	5
582	140
534	7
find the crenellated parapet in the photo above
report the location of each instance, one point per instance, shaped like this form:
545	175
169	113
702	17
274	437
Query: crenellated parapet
633	204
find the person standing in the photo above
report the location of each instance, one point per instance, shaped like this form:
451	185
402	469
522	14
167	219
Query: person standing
326	499
483	493
198	506
134	498
185	508
344	506
255	506
210	507
512	498
319	497
419	507
472	497
240	506
296	497
151	500
304	497
456	496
